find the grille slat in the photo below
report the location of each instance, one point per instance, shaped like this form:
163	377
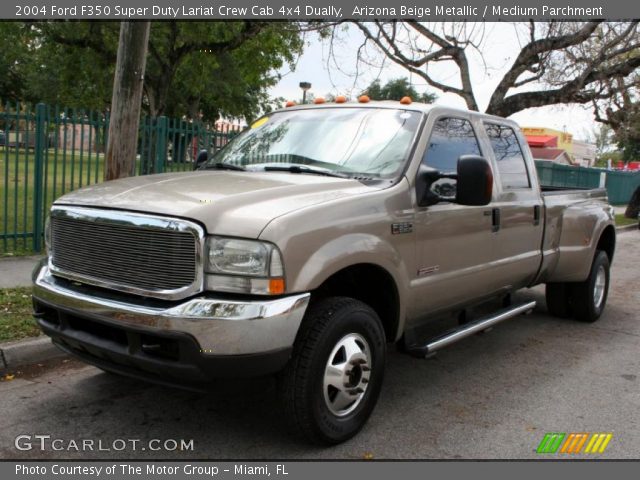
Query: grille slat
125	255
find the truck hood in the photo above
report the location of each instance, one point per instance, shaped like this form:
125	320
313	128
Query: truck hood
225	202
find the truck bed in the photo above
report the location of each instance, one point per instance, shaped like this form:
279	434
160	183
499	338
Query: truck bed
548	190
571	215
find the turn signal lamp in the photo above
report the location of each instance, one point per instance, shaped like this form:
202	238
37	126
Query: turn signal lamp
276	286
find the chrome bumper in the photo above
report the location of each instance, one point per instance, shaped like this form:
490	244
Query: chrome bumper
221	327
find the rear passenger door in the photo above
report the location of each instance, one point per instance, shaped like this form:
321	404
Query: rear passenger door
518	207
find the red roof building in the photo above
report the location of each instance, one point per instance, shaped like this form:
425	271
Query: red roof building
551	154
542	141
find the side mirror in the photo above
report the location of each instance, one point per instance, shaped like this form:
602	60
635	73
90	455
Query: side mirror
427	176
203	156
474	183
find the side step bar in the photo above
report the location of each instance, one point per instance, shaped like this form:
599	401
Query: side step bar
458	333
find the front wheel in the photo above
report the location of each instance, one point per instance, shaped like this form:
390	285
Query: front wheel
333	380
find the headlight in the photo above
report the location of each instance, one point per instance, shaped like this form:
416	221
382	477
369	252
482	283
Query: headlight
244	266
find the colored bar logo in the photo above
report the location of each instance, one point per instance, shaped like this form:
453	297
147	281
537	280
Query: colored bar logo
572	443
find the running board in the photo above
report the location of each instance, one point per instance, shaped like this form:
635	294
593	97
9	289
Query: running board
458	333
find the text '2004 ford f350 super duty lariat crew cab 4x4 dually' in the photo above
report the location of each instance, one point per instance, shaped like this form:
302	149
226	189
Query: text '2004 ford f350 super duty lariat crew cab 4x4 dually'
311	242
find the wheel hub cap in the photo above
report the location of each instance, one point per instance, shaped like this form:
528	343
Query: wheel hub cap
347	374
599	287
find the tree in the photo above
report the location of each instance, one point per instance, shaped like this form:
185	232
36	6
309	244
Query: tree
14	48
193	68
222	67
602	137
559	62
229	81
125	103
622	116
396	89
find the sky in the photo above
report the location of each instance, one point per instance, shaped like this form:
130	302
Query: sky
501	45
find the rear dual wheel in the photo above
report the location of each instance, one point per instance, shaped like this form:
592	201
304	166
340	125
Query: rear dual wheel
585	301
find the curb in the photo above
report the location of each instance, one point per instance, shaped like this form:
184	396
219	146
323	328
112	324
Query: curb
633	226
29	351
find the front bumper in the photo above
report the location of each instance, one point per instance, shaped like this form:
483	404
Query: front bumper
196	340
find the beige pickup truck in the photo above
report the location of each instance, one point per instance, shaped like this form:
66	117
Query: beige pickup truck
312	242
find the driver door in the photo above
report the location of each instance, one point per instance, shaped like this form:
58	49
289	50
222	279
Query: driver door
454	248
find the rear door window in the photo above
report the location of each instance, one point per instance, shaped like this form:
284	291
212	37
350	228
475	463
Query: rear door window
508	155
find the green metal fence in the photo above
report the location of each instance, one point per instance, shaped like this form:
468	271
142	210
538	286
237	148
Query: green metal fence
47	151
620	185
555	175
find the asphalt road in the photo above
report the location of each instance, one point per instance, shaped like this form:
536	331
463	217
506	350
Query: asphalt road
493	395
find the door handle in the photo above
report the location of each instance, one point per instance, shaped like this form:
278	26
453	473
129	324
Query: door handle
536	215
494	213
495	219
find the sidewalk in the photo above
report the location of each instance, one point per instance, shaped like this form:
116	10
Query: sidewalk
16	271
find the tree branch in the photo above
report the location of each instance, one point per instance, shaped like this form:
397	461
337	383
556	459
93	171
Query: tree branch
529	56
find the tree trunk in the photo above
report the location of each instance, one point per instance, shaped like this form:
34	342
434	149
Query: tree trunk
634	205
126	100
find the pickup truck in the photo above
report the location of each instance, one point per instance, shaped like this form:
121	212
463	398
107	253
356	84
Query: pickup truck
313	242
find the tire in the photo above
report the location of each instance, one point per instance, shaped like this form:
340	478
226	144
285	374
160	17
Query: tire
590	297
332	382
558	297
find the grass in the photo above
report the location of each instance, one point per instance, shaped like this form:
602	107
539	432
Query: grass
61	175
621	220
64	171
16	321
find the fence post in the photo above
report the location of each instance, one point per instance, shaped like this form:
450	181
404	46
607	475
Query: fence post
161	144
38	179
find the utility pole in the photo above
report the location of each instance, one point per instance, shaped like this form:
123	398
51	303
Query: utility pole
126	100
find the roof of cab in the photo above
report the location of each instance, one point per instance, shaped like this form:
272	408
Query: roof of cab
391	104
394	104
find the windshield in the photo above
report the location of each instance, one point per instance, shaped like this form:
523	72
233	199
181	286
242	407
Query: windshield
369	142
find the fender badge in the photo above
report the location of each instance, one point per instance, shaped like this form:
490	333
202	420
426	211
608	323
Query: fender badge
398	228
428	270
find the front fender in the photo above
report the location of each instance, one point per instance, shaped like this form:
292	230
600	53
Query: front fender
346	251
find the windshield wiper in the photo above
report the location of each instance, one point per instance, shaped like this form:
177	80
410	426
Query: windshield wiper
303	169
224	166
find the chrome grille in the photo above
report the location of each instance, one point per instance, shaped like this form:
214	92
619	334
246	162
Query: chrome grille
131	252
